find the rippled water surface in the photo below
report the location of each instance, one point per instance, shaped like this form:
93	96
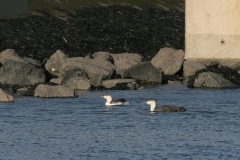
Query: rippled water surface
84	128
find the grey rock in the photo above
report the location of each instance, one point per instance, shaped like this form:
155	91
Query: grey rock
10	54
103	56
4	97
76	79
53	65
20	73
169	60
123	61
47	91
145	72
191	67
22	91
56	80
120	84
96	70
212	80
232	65
31	61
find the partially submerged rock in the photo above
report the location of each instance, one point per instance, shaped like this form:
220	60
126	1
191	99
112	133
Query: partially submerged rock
5	97
129	84
169	60
55	91
145	72
212	80
20	73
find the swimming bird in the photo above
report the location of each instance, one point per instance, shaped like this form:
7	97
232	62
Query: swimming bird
111	102
165	108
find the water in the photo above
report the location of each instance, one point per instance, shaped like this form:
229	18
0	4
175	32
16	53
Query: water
83	128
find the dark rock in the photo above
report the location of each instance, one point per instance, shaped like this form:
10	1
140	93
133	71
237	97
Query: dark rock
221	73
145	73
122	84
20	73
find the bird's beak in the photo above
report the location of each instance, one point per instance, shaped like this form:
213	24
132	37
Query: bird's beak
144	102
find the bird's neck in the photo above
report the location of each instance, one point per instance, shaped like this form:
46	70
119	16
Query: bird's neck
153	106
109	100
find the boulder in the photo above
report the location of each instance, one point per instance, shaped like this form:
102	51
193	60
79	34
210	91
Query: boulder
169	60
103	56
212	80
47	91
56	80
22	91
20	73
123	61
96	70
10	54
191	67
145	72
232	65
76	79
4	97
53	65
129	84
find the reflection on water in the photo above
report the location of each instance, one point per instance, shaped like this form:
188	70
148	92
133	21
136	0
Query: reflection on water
83	128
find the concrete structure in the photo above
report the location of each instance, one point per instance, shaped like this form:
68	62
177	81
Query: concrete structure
13	8
212	30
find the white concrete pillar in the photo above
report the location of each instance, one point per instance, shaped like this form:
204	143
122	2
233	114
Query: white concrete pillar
13	8
212	30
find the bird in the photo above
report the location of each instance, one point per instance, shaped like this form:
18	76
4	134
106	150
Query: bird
111	102
165	108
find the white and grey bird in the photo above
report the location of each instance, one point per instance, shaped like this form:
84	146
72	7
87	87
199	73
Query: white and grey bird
165	108
111	102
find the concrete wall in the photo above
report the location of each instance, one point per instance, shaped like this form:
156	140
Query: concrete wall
13	8
212	30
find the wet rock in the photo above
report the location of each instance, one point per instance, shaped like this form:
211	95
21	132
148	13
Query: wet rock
123	84
145	72
53	65
48	91
76	79
169	60
5	97
103	56
191	67
123	61
96	70
212	80
20	73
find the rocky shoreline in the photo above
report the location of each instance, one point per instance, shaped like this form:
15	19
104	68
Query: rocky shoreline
113	47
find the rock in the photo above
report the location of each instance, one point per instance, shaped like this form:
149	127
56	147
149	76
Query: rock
53	65
22	91
10	54
47	91
191	67
145	72
96	70
103	56
124	61
32	61
169	60
56	80
20	73
232	65
76	79
120	84
212	80
4	97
